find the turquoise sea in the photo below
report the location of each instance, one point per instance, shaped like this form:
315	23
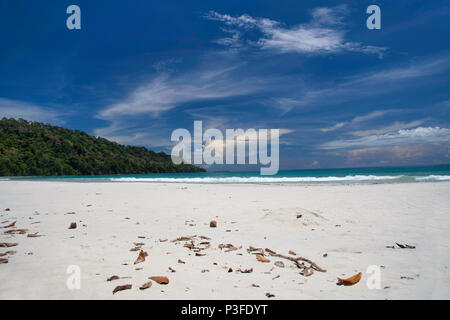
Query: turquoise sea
357	175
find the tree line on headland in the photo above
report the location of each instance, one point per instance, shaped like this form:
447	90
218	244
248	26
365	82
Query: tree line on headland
36	149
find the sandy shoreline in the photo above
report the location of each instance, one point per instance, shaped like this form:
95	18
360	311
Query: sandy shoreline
352	224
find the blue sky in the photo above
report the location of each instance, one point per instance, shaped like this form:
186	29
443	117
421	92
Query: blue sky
344	95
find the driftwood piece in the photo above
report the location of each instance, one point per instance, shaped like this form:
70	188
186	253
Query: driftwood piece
405	246
296	260
7	245
12	224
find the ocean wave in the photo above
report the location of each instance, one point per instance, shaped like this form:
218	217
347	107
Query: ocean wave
260	179
433	178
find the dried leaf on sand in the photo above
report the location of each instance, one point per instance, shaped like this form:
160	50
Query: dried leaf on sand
146	285
141	257
349	281
160	279
262	259
120	288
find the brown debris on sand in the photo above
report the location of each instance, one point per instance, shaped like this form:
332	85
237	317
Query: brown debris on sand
141	257
16	231
349	281
113	278
182	239
160	279
146	285
34	235
228	246
262	259
3	260
7	245
405	246
120	288
213	224
189	245
7	252
254	250
12	224
313	265
73	225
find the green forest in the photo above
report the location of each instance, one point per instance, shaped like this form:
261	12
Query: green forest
36	149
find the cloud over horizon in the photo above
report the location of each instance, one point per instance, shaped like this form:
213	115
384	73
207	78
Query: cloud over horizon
420	135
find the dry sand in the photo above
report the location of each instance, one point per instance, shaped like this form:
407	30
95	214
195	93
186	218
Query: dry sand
352	224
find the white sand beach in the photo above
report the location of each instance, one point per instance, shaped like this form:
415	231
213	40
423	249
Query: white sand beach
354	225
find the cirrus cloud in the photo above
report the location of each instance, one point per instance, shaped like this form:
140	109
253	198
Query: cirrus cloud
324	33
420	135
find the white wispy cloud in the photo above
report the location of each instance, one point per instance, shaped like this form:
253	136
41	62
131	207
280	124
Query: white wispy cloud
398	125
366	85
420	135
358	119
167	91
324	33
10	108
334	127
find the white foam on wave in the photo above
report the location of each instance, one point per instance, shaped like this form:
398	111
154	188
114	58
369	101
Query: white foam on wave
433	178
259	179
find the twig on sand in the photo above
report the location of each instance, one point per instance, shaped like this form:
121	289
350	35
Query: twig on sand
296	260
